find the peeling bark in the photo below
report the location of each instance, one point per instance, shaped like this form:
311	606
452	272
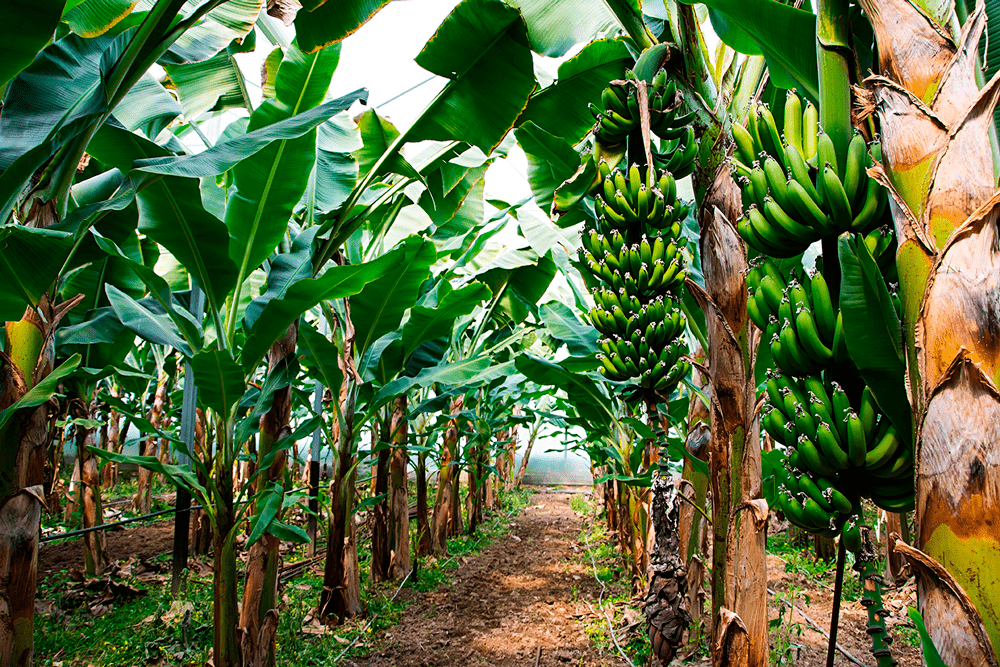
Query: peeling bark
141	500
341	595
441	521
738	566
258	615
938	167
398	501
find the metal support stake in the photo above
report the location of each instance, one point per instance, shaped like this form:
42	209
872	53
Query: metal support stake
189	413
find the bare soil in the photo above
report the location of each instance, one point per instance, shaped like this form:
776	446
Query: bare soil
535	588
144	542
851	634
527	591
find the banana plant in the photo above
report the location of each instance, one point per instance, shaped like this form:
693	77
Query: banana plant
221	258
50	114
945	265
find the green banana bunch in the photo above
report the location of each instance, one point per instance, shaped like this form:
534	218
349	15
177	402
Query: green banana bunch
827	438
621	109
650	267
658	320
799	320
658	368
641	199
796	189
677	155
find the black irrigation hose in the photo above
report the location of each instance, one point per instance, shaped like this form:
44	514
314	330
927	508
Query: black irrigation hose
104	526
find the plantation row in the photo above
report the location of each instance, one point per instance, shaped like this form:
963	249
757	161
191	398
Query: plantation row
750	278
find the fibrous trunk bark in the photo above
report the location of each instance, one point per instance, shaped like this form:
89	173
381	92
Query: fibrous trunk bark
399	504
23	445
201	526
258	615
938	166
94	550
341	595
739	585
423	523
142	498
441	521
380	511
225	638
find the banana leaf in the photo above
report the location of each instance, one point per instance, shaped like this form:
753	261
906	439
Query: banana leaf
561	108
259	210
786	36
873	333
323	22
27	27
556	27
482	48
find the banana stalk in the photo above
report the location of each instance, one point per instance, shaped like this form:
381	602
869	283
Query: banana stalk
938	165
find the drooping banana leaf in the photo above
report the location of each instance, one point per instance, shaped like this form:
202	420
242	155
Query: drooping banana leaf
561	108
431	321
231	21
482	48
27	27
379	307
335	283
786	36
323	22
556	27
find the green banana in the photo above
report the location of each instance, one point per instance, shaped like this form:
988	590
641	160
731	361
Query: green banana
836	199
808	335
744	144
854	170
793	120
812	490
884	450
828	442
812	457
810	131
809	212
823	310
857	447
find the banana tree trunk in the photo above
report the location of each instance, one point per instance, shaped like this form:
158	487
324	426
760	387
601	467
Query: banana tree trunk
225	638
142	498
509	453
112	442
341	595
938	165
201	526
380	511
23	446
739	512
399	504
258	615
95	556
441	520
423	524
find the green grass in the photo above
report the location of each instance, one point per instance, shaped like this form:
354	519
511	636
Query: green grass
122	636
578	503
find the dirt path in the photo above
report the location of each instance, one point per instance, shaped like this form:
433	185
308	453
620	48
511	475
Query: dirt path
524	591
